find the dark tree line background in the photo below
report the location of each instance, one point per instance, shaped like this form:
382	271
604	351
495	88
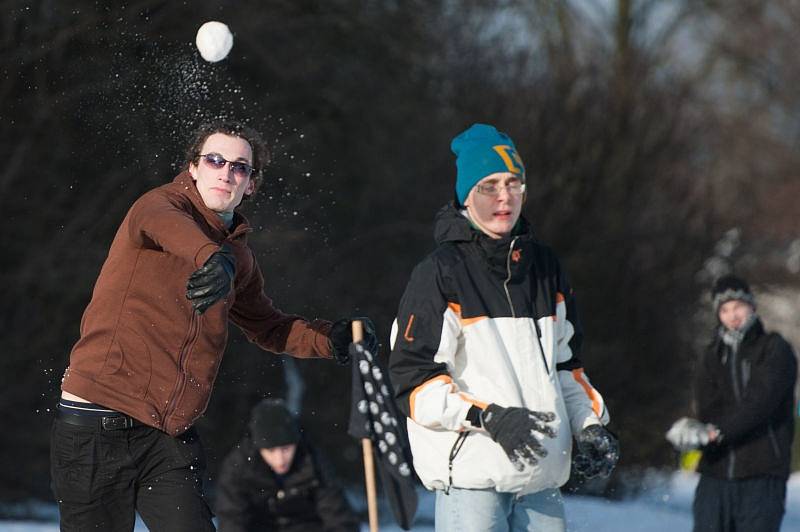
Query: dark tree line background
649	128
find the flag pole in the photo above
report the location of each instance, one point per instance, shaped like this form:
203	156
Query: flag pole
366	447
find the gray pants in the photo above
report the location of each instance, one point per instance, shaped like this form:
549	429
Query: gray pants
743	505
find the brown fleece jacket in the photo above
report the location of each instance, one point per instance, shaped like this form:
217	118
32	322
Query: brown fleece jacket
143	349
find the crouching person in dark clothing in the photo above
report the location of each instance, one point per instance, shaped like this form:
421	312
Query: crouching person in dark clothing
744	394
275	480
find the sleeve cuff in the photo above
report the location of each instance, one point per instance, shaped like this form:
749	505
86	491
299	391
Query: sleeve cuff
474	416
204	253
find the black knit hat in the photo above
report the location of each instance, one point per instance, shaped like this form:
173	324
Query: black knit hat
272	425
728	288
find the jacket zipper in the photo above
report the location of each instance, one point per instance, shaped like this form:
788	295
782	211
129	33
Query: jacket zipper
737	395
734	374
177	391
511	305
508	277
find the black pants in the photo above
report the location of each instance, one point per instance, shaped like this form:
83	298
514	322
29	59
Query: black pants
101	477
746	505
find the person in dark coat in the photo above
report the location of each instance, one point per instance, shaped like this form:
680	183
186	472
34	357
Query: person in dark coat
744	394
275	480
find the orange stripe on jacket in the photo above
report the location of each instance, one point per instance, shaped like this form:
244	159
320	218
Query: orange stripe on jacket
472	401
407	334
577	374
559	299
455	307
412	399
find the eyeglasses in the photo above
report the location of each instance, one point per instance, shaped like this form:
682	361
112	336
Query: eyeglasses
493	189
217	161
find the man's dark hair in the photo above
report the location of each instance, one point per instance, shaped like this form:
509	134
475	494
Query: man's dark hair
233	128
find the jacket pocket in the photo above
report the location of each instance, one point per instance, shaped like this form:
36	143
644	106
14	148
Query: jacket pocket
128	367
75	463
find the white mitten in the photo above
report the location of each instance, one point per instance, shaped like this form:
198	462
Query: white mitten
687	434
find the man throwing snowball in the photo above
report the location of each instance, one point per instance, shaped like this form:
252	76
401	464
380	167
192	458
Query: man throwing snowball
152	338
485	358
744	397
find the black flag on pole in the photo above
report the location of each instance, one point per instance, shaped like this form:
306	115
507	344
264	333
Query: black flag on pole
374	415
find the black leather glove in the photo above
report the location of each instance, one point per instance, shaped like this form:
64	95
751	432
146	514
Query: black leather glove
516	429
598	452
212	281
341	336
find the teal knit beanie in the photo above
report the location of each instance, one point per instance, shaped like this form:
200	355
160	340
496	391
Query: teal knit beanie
481	150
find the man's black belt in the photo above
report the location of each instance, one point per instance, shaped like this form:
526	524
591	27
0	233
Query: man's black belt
112	422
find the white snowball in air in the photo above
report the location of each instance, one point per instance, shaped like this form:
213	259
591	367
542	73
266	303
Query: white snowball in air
214	41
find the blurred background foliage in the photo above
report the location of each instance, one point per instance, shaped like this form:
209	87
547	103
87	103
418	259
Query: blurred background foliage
660	139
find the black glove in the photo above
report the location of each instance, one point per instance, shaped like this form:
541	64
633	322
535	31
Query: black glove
515	429
598	452
212	281
341	336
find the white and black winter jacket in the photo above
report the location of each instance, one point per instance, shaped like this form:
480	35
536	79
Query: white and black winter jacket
488	321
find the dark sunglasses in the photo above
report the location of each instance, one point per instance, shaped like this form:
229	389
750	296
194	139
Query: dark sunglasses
217	161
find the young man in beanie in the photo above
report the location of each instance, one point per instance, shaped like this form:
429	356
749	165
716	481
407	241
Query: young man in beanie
485	360
275	480
744	397
152	338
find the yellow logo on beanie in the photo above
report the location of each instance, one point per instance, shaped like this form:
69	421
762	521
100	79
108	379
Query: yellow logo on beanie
511	158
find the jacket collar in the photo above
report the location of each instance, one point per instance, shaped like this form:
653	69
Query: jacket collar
452	226
755	331
240	225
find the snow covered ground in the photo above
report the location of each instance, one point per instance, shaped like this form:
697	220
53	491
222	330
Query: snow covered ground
665	506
